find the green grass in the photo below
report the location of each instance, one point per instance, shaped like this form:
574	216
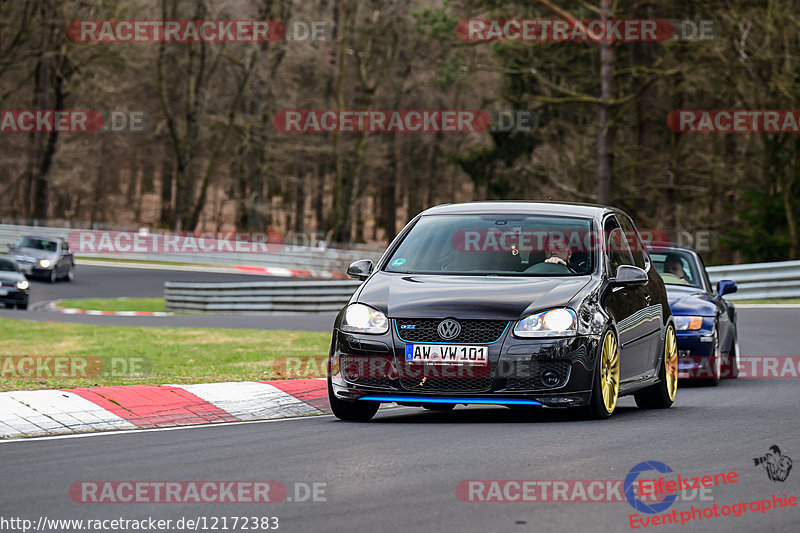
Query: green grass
161	355
149	305
776	301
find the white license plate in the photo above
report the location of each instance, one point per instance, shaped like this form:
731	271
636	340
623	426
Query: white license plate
447	354
3	292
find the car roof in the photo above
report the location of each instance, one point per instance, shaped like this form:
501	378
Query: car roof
520	207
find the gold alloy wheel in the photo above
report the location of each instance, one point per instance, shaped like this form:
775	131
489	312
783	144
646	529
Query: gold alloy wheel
671	363
609	371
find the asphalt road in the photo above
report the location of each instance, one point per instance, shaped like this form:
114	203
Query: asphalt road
114	282
400	472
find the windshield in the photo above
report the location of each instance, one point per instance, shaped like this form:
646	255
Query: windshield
8	266
677	268
37	244
503	245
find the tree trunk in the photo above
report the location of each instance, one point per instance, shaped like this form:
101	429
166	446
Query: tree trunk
605	133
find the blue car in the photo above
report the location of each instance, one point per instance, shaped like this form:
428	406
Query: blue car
705	322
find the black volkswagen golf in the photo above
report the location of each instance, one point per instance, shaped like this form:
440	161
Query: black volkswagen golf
506	303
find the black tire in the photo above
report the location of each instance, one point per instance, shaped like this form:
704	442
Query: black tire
53	276
730	369
22	307
657	396
9	306
596	410
716	370
439	406
356	411
70	273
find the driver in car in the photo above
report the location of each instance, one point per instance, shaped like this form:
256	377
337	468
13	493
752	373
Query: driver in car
557	260
673	265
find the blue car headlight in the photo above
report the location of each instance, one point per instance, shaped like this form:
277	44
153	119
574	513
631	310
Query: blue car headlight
552	323
684	323
359	318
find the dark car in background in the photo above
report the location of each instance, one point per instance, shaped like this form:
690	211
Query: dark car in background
44	257
705	322
14	288
507	303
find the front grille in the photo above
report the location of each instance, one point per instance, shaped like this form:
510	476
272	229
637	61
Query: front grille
472	331
445	378
527	375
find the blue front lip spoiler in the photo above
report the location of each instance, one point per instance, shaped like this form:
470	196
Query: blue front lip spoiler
417	399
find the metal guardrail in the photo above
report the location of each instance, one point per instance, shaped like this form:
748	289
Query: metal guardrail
317	261
269	297
754	281
760	280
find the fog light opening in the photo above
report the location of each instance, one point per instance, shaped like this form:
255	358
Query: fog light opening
351	373
550	378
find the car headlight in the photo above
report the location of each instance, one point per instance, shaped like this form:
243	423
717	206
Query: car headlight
358	318
44	263
683	323
22	285
553	323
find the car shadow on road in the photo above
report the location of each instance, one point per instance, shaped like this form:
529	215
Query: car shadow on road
495	415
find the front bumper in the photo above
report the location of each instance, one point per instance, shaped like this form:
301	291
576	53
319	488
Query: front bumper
13	296
555	372
696	357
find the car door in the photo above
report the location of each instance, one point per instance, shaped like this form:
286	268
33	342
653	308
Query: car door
67	258
624	304
725	315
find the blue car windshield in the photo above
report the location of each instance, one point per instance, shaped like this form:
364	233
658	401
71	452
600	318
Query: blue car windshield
677	268
502	245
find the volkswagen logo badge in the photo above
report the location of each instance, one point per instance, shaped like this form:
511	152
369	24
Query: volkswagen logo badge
449	329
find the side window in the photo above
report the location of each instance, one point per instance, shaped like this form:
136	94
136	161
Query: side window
633	241
703	272
616	247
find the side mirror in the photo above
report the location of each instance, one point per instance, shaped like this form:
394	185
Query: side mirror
11	248
630	276
726	286
360	269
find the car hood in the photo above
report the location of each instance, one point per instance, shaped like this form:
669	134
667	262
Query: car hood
11	276
690	301
436	296
33	253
